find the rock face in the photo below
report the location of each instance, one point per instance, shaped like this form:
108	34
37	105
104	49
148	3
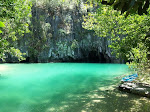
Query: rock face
57	35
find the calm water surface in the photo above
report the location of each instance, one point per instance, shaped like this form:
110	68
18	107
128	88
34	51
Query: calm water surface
60	87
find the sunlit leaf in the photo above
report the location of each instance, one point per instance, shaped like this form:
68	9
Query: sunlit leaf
2	24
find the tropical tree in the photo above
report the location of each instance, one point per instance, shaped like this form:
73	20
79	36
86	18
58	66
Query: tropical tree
126	34
14	19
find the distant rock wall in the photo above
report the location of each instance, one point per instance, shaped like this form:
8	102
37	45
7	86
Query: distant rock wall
57	36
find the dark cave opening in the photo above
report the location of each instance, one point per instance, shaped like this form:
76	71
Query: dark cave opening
27	60
95	57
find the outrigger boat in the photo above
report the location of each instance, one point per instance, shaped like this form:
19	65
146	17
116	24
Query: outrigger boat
130	78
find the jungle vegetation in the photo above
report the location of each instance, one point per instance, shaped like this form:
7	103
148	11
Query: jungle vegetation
127	25
14	21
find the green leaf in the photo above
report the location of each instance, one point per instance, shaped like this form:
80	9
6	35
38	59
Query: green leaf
2	24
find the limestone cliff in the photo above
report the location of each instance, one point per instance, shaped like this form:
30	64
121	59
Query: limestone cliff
57	35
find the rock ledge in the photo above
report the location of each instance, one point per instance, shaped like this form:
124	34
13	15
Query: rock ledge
141	89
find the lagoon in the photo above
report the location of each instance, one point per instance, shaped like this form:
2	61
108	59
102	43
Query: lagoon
61	87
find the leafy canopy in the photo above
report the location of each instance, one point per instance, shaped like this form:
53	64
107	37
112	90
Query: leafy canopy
129	6
14	19
126	35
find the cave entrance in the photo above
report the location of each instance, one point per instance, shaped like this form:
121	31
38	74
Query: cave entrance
95	57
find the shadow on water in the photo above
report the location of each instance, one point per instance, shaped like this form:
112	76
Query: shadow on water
96	101
2	77
104	99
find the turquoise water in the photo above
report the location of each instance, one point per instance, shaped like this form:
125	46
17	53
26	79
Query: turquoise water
57	87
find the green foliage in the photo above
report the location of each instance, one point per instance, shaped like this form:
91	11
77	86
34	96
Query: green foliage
139	63
74	44
1	25
54	4
126	35
128	6
15	14
62	48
